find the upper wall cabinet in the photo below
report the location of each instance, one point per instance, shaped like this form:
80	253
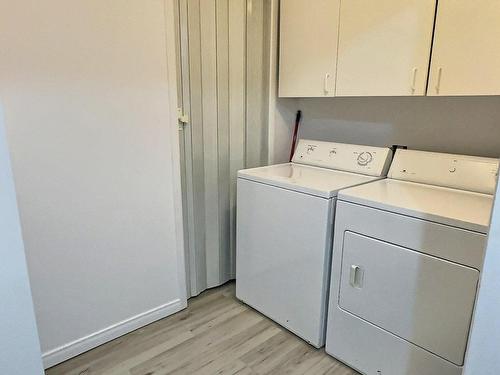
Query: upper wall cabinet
384	47
308	47
466	52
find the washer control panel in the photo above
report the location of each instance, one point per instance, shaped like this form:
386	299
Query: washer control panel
373	161
471	173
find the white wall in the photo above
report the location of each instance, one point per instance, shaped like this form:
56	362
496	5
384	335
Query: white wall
19	346
90	113
484	344
464	125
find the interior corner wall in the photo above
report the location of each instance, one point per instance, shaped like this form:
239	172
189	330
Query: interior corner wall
87	88
19	343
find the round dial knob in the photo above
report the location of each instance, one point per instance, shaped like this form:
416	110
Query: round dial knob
365	158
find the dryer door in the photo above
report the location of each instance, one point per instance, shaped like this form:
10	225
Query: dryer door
420	298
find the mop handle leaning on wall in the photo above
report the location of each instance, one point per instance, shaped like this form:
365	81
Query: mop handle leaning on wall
295	131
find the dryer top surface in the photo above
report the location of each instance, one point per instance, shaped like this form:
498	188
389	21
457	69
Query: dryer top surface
458	208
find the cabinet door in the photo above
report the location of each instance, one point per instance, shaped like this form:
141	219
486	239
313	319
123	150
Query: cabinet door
466	51
308	47
384	47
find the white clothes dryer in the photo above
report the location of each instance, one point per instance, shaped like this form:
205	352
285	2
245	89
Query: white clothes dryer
408	252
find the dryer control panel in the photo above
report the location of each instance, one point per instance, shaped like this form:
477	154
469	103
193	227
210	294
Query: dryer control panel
471	173
368	160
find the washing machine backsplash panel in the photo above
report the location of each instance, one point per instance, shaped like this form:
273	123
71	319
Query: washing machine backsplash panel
368	160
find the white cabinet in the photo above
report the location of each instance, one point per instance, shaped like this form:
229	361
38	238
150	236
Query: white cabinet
384	47
466	52
308	47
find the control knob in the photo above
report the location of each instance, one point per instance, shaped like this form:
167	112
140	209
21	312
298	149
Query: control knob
365	158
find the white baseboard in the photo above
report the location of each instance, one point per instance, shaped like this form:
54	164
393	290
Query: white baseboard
112	332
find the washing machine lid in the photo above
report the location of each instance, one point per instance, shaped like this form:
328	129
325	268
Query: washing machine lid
454	207
321	182
323	168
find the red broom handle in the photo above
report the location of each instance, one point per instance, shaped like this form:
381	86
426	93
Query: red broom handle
295	131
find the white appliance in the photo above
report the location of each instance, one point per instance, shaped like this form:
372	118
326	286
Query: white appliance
284	230
407	255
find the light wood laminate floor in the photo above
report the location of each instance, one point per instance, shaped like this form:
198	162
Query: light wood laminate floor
216	334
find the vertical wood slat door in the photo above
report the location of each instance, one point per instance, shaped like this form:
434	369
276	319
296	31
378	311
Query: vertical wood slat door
195	174
217	143
466	53
308	47
237	111
257	75
384	47
209	105
223	135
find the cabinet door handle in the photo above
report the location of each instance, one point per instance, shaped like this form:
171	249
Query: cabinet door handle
438	85
414	81
326	83
356	277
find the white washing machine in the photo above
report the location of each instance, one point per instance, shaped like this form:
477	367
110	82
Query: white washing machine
284	230
408	252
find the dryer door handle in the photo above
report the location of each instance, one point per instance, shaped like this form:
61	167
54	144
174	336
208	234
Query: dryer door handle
356	276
